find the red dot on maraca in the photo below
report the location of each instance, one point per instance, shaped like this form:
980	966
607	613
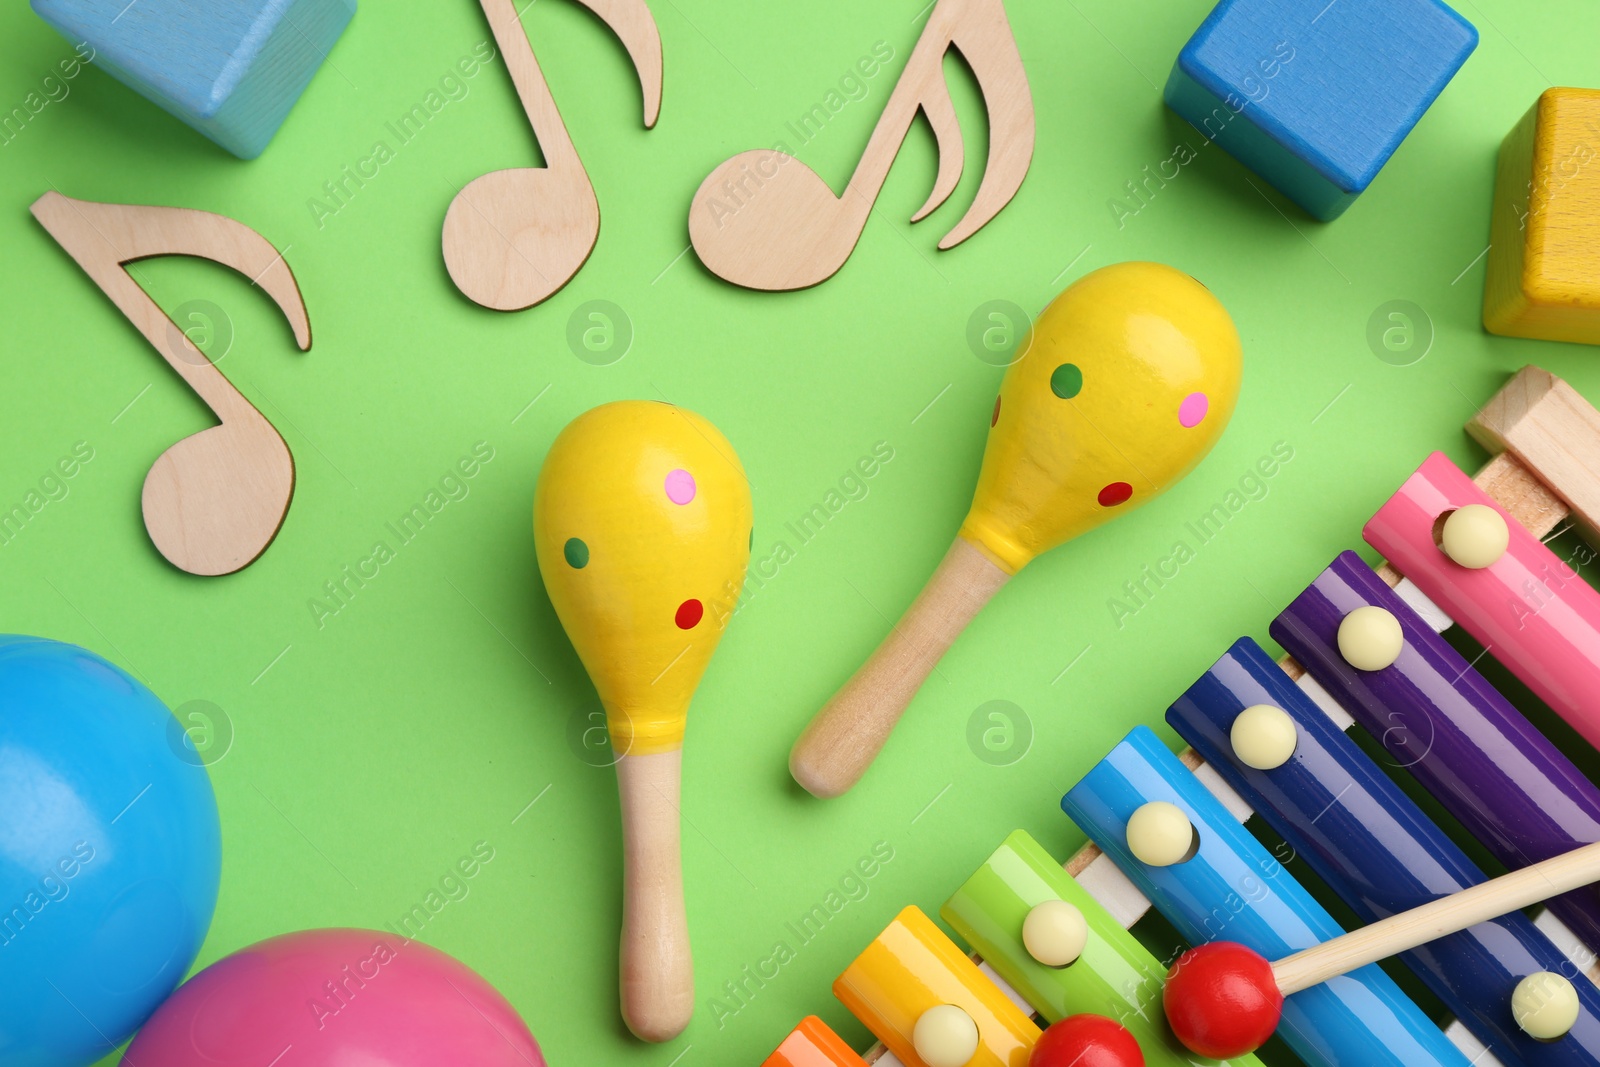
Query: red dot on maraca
1114	494
1222	1000
689	614
1086	1041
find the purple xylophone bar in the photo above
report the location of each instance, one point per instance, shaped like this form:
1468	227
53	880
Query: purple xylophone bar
1500	777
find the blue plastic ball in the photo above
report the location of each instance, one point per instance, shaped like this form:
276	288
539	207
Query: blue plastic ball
110	854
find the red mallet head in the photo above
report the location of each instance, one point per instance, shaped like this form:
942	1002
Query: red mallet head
1086	1041
1222	1000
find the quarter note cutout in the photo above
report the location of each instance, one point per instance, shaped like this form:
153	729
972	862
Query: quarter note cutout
514	237
215	500
764	220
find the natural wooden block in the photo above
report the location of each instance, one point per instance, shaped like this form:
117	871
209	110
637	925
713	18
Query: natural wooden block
232	69
1554	433
1315	96
1544	256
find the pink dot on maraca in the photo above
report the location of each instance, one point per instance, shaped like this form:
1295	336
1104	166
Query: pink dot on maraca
1222	1000
680	486
328	998
1086	1041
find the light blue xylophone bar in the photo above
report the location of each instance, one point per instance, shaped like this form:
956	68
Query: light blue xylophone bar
1233	889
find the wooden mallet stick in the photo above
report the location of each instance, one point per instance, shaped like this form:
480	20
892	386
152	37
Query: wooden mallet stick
1224	1000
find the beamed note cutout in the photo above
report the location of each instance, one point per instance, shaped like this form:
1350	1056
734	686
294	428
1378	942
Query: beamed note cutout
764	220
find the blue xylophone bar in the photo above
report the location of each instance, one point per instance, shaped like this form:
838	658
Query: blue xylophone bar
1376	849
1233	889
1453	731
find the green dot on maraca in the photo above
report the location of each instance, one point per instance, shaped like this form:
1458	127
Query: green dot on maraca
1066	381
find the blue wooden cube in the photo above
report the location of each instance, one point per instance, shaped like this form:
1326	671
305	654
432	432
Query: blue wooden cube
1314	95
232	69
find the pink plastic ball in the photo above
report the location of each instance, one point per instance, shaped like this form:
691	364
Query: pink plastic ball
331	998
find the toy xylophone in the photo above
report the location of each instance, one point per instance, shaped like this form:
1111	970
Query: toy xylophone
1363	646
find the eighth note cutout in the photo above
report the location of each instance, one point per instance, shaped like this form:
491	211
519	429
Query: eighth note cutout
514	237
215	500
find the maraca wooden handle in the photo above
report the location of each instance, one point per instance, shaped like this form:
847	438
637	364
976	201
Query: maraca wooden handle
657	973
1409	929
845	736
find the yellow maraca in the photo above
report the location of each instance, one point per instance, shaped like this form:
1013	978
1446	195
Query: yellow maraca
1129	378
641	521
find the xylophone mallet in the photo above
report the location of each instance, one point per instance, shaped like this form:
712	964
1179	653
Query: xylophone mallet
1224	1000
641	520
1086	1040
1125	382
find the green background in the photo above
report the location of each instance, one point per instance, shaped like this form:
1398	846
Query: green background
372	751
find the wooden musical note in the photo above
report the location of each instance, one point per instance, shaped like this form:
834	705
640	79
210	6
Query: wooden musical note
764	220
514	237
214	500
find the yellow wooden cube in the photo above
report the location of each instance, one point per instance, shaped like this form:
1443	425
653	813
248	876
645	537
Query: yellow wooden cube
1544	258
